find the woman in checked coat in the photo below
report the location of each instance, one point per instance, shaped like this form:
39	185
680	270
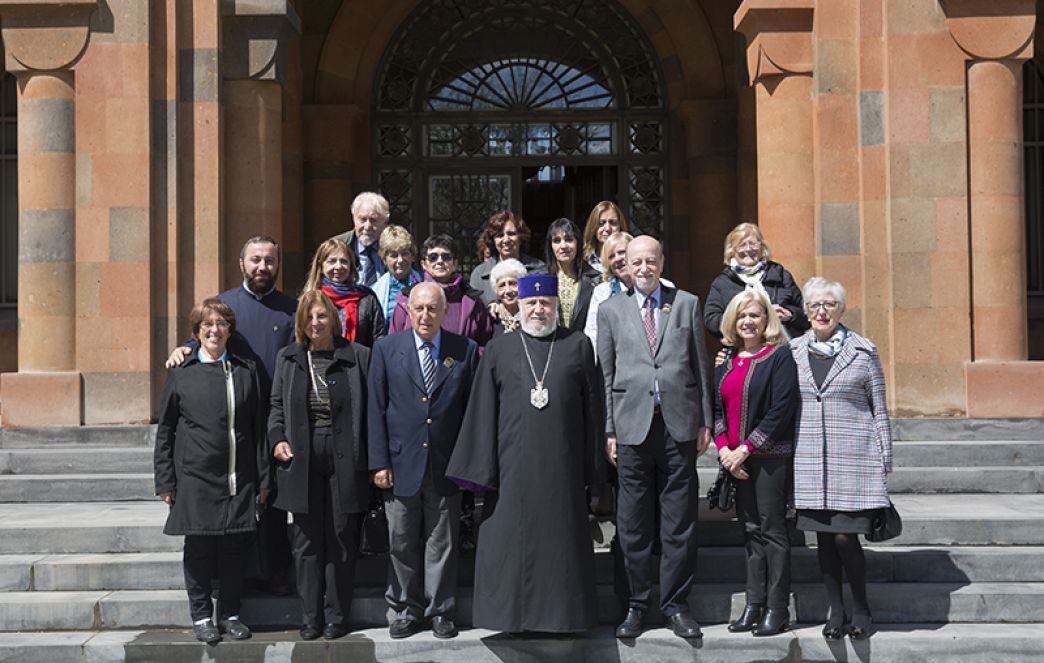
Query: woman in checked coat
842	449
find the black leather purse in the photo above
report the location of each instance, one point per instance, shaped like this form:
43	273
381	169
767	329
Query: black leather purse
373	539
885	525
722	493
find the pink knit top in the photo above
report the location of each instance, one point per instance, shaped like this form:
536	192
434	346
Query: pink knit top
732	400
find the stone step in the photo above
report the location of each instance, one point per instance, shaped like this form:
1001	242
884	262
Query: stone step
93	460
893	643
959	428
143	435
718	603
77	487
163	570
93	527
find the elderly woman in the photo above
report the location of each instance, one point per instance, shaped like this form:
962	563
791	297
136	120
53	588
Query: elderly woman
604	220
504	236
842	449
210	472
576	278
398	251
615	279
359	311
467	315
748	267
317	435
505	311
755	403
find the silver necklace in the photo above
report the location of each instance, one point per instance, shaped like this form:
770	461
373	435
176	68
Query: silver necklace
317	381
538	394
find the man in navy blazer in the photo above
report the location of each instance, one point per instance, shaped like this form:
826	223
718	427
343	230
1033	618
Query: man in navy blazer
419	384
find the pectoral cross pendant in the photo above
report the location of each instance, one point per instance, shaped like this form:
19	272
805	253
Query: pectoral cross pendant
538	396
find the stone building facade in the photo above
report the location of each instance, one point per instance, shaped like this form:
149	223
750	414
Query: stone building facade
878	142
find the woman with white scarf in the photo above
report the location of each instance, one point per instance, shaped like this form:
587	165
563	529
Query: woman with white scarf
748	267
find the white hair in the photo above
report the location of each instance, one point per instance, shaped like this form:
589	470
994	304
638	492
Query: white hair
427	285
509	267
818	284
547	328
374	200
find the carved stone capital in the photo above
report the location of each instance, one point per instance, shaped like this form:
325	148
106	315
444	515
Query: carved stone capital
254	38
992	29
45	35
779	38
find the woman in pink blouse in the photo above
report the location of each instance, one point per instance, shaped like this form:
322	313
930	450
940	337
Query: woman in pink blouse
755	404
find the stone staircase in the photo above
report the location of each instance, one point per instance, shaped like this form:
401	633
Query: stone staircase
86	573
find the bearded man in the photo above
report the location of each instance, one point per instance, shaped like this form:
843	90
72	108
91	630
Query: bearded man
531	441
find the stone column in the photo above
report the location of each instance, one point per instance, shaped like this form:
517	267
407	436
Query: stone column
780	61
254	71
997	37
43	41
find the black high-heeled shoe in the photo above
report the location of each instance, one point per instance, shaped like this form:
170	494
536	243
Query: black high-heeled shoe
835	629
861	628
774	621
749	619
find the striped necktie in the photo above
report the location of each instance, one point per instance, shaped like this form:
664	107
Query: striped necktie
428	366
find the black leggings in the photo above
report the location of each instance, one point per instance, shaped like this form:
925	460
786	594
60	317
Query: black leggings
837	553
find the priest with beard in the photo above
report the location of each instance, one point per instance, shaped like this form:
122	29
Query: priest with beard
531	441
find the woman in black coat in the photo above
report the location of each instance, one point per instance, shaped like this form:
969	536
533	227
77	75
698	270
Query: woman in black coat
755	404
318	435
748	267
210	473
360	312
576	277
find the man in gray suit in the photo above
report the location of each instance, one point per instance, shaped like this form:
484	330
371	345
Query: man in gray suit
658	406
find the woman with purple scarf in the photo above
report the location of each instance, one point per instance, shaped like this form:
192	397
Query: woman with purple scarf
467	314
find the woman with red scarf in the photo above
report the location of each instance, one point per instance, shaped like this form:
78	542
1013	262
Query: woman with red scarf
333	271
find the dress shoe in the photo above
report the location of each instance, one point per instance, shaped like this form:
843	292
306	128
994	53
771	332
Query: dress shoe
404	628
774	621
749	619
684	626
334	631
631	626
861	628
237	629
310	632
207	632
443	627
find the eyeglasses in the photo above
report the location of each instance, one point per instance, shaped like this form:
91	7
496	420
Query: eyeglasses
826	306
748	245
220	324
435	256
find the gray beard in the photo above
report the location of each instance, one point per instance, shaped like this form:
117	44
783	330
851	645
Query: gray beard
540	331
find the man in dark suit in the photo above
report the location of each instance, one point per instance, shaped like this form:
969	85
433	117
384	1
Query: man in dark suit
370	214
419	385
658	406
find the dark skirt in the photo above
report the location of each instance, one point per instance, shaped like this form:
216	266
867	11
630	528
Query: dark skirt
837	522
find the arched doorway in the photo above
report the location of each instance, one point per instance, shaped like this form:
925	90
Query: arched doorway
540	107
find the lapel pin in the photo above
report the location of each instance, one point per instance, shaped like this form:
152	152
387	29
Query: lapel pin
448	362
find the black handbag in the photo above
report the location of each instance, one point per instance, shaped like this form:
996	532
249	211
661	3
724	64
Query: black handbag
373	538
723	492
885	525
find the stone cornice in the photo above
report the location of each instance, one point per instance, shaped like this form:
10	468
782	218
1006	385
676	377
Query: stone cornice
992	29
45	35
779	38
254	38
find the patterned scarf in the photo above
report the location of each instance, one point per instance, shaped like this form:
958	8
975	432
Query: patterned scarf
345	297
615	286
831	346
752	275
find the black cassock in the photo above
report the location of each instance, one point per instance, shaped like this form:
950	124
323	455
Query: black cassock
534	566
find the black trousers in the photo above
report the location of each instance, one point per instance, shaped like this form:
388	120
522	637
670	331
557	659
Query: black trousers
325	541
761	504
207	557
658	471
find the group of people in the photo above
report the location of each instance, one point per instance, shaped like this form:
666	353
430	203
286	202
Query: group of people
539	389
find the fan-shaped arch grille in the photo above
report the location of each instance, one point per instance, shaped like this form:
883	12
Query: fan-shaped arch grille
523	84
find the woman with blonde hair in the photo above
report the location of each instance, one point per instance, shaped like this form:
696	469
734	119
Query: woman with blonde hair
605	219
333	272
754	408
748	266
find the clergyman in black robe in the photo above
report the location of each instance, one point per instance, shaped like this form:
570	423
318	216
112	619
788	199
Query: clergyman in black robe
534	565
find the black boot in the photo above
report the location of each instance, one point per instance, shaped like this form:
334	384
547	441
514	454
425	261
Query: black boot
749	619
774	621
